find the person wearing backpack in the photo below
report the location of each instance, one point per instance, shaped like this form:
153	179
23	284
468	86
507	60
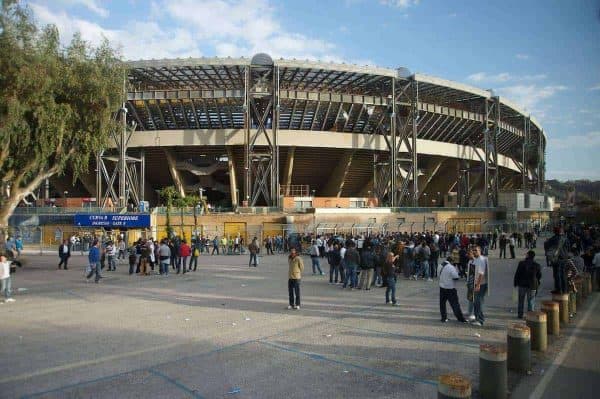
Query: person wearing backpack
557	250
527	280
367	267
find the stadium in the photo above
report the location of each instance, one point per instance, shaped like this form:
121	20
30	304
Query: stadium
274	146
254	131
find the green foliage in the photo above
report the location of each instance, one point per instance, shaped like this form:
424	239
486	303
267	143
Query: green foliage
56	103
169	194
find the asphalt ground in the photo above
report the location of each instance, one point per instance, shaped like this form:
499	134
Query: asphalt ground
224	332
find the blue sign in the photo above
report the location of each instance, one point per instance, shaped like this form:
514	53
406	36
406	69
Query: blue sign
112	220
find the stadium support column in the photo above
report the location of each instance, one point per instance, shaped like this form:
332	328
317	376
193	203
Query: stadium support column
402	144
540	162
490	134
289	169
524	155
232	178
119	183
174	172
261	118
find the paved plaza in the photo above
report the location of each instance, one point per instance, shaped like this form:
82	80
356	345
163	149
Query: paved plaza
224	332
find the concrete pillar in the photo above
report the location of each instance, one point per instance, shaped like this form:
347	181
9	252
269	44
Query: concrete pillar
551	309
519	348
232	178
493	374
172	165
536	321
335	184
563	307
289	168
453	386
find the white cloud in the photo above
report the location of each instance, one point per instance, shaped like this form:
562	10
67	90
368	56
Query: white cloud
530	95
178	29
593	88
400	3
482	77
91	5
245	27
581	141
140	40
522	56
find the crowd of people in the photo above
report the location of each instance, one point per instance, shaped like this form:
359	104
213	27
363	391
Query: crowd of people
367	261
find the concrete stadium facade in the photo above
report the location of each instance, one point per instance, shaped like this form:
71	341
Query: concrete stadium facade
252	130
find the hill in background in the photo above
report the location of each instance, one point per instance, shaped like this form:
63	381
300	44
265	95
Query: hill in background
585	190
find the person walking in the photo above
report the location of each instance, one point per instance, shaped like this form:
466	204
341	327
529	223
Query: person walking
5	279
19	245
481	285
502	244
351	262
94	261
296	267
110	256
527	280
215	244
448	278
253	249
389	274
511	245
314	257
64	253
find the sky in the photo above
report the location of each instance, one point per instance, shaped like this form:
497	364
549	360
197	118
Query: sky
541	55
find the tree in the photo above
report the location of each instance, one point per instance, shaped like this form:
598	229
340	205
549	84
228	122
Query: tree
169	194
56	104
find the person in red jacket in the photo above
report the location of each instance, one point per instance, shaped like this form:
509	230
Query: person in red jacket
184	254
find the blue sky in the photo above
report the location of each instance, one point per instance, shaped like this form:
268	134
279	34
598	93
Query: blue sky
542	55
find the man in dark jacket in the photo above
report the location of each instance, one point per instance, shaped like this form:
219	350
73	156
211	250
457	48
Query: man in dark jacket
557	253
527	279
503	242
351	263
64	253
367	268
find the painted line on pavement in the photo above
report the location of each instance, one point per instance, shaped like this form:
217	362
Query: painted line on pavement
543	384
316	356
410	337
176	383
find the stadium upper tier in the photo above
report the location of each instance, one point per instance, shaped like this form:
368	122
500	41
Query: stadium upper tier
291	114
208	93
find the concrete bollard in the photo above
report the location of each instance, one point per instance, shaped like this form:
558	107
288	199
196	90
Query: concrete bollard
552	317
563	308
453	386
536	321
519	348
572	303
493	374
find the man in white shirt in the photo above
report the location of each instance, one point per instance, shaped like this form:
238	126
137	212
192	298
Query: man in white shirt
5	279
448	278
481	285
